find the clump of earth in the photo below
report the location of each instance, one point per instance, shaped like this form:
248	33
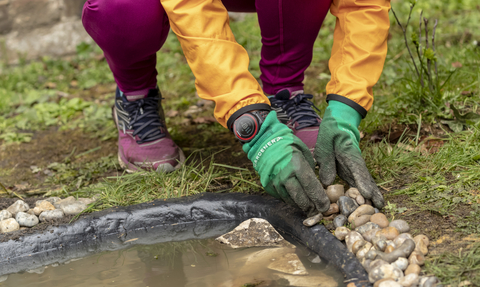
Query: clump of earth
388	252
20	215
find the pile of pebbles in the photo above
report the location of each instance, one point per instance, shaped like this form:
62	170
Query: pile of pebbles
19	215
388	252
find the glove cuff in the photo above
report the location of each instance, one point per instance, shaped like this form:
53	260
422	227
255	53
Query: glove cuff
343	113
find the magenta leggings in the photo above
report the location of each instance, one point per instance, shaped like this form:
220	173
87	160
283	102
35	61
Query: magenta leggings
130	32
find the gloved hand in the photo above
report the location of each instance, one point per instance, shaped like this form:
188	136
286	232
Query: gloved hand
286	167
337	151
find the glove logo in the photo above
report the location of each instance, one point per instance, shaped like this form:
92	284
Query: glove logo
264	148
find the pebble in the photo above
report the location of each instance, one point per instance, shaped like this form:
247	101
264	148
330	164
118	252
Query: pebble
77	207
333	209
361	220
403	250
416	258
401	238
431	282
365	228
360	200
346	205
380	219
413	269
334	192
351	238
87	201
383	272
409	280
341	232
311	221
18	206
358	245
25	219
9	225
380	242
340	220
37	211
389	232
31	212
423	238
63	202
421	247
376	209
366	264
5	214
51	215
389	283
52	200
401	263
381	281
362	252
369	235
401	225
352	192
361	210
44	205
389	249
378	262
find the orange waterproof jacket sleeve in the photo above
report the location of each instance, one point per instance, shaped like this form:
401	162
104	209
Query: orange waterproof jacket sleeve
358	52
219	63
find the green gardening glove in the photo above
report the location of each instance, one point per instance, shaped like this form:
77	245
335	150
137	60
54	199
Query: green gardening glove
286	167
337	151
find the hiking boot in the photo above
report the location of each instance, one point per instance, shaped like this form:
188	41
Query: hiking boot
298	113
143	139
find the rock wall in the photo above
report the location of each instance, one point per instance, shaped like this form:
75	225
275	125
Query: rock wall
33	28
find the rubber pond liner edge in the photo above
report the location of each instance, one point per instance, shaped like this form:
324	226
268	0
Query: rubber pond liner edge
196	217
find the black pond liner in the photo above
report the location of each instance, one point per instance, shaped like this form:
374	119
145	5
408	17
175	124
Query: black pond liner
202	216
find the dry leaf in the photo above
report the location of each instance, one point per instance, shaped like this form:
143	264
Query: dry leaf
172	114
457	65
204	120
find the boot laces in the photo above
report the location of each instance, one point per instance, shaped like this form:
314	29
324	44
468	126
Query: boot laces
144	119
299	109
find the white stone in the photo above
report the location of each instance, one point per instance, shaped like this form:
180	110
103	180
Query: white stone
389	283
87	201
384	272
74	208
341	232
351	238
25	219
401	263
409	280
5	214
18	206
51	215
9	225
401	238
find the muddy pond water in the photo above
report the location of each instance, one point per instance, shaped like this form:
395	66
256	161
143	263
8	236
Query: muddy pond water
195	263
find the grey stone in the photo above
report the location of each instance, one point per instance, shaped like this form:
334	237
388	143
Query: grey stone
18	206
314	259
431	282
86	201
401	238
341	232
334	192
360	200
9	225
366	227
50	215
409	280
52	200
352	192
351	238
25	219
347	205
384	272
311	221
376	210
340	220
401	263
74	208
253	232
5	214
66	201
401	225
370	234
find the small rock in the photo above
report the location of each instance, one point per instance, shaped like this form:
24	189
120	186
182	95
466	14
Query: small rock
341	232
334	192
352	192
389	249
87	201
360	200
74	208
52	200
290	264
416	258
380	242
311	221
340	220
377	262
421	247
389	283
380	219
409	280
431	282
251	233
362	252
69	200
50	215
401	263
401	225
346	205
383	272
44	205
361	210
366	263
30	211
5	214
365	228
9	225
18	206
351	238
358	245
389	232
369	235
376	284
422	237
370	203
333	209
361	220
25	219
37	211
401	238
191	111
315	259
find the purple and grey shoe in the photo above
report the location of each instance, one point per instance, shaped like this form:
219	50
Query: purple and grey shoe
298	113
143	139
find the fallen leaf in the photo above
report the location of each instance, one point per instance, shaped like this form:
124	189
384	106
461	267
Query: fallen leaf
467	93
74	84
50	85
432	144
204	120
172	114
457	65
393	137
